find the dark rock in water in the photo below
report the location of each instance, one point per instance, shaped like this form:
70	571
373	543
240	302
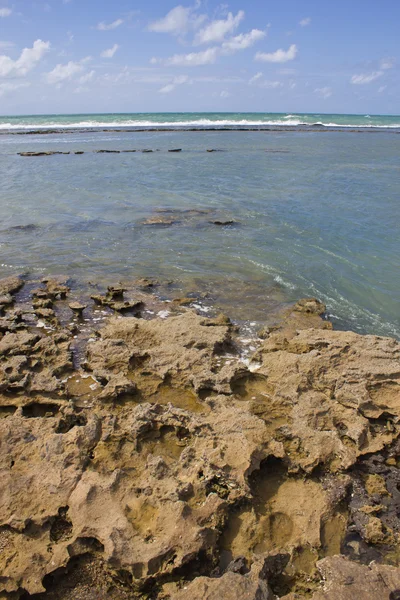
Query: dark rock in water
183	301
310	306
42	153
115	293
157	221
176	150
10	285
146	151
35	153
145	283
230	222
128	150
42	302
5	299
108	151
185	211
79	152
214	150
114	298
77	308
45	313
56	288
30	227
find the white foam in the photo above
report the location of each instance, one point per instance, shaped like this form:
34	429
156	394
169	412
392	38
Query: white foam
289	120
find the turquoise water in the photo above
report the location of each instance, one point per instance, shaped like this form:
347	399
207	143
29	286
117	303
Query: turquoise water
197	120
314	215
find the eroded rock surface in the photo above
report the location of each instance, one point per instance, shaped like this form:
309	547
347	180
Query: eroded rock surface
166	467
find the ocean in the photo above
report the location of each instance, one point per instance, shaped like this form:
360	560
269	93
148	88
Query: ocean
305	205
201	120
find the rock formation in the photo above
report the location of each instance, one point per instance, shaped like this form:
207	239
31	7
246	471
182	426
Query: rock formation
165	467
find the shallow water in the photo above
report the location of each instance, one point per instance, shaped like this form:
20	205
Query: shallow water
315	214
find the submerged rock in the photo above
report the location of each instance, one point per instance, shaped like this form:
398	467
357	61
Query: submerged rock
77	308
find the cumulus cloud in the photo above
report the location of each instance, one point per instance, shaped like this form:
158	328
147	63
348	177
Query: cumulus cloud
5	12
27	61
110	52
193	59
324	92
66	72
109	26
364	78
279	56
209	56
167	89
178	21
216	31
382	89
304	22
225	94
11	87
243	41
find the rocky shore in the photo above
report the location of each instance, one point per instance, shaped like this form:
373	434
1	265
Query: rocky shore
145	456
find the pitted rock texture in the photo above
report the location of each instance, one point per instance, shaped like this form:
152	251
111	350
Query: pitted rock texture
167	468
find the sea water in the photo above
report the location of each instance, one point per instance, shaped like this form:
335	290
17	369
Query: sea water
315	212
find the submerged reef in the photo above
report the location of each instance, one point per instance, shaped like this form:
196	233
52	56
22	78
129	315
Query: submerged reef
142	457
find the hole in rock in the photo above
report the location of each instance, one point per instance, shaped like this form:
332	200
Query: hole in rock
37	409
61	528
6	411
85	545
69	422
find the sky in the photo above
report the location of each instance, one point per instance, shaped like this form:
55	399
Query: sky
96	56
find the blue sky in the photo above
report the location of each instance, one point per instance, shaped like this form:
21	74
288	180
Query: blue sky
69	56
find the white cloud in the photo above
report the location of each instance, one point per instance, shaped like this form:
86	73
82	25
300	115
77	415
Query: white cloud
65	72
193	59
178	21
382	89
324	92
225	94
11	87
175	82
258	80
109	26
387	63
216	31
87	77
280	56
5	12
209	56
26	62
110	52
255	78
365	78
304	22
243	41
5	45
